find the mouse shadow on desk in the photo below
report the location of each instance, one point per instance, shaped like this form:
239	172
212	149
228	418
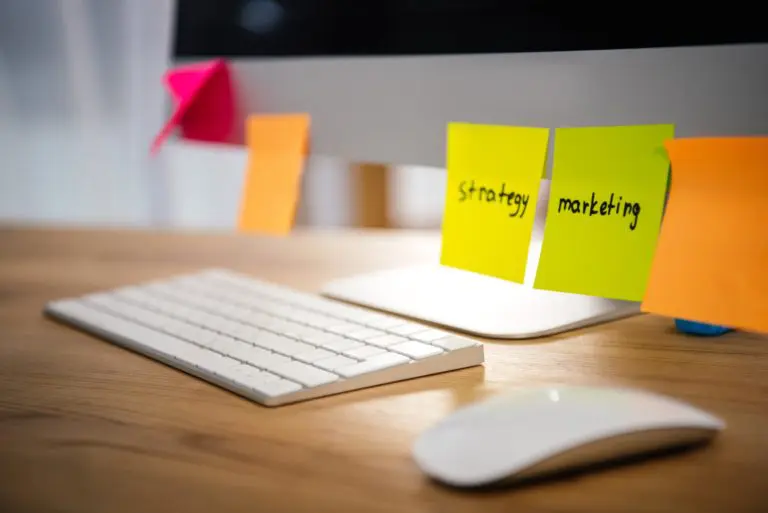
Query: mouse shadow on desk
573	473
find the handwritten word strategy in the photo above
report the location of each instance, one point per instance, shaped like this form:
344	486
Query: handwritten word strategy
518	201
595	207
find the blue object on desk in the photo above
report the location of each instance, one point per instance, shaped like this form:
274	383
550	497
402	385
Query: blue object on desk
700	328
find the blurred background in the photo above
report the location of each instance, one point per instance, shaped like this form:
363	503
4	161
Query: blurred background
81	97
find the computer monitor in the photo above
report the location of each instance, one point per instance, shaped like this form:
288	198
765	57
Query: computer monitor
381	80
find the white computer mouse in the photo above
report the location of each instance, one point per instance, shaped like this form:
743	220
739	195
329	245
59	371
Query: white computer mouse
551	429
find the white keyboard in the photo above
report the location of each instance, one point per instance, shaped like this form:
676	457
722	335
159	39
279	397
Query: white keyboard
271	344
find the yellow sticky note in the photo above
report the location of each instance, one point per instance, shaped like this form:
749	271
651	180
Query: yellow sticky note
604	212
494	174
277	147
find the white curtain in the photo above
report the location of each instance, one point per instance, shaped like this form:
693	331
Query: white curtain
79	102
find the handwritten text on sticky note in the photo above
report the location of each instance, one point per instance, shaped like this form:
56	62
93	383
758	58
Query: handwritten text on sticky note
711	264
519	201
494	173
277	146
606	201
597	206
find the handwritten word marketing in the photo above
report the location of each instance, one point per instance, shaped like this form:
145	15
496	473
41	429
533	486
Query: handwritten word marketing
518	202
595	207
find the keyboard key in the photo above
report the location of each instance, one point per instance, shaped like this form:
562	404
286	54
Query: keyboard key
364	352
203	336
295	330
416	350
335	362
305	374
451	343
406	329
428	335
271	341
222	365
254	372
319	321
248	353
318	337
366	334
243	373
387	340
343	328
266	376
254	335
377	363
291	347
238	329
223	344
314	355
341	344
170	345
258	319
271	360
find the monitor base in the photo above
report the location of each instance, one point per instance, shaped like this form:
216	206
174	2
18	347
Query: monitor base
476	304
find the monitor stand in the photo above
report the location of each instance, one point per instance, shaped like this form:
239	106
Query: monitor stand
480	305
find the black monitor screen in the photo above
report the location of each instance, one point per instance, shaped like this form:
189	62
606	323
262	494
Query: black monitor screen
232	28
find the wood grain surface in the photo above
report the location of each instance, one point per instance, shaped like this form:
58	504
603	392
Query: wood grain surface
88	427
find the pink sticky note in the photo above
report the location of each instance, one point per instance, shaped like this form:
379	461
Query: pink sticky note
204	103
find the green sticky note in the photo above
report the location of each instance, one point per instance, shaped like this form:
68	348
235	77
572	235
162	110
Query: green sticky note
494	175
604	212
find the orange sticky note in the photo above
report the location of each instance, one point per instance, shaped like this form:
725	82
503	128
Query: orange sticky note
277	147
711	261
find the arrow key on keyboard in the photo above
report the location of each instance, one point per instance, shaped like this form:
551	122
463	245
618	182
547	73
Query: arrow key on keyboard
451	343
305	374
416	350
374	364
335	362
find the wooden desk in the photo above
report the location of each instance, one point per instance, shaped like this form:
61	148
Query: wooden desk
88	427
